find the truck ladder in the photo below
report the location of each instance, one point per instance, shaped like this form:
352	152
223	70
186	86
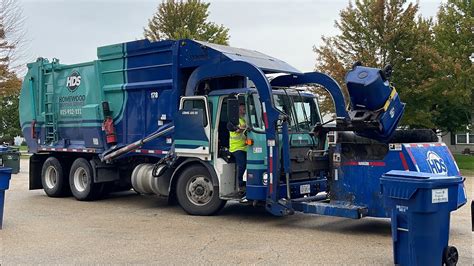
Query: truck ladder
50	119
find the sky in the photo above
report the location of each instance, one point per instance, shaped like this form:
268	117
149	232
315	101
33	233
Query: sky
72	30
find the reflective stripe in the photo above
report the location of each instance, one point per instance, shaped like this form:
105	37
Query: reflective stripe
389	100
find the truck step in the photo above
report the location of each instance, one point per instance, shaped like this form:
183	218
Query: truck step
339	209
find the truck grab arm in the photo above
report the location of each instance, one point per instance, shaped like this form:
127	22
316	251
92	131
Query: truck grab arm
116	152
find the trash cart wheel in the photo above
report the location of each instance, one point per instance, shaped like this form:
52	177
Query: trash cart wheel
450	256
81	181
196	193
55	183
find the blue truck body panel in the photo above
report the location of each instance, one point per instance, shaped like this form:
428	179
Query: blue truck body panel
357	182
148	67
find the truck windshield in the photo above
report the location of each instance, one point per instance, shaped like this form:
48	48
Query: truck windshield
302	111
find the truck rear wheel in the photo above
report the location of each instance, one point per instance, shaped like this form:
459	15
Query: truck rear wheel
81	181
196	193
55	183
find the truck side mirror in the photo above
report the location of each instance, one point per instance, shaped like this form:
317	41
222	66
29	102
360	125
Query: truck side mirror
233	111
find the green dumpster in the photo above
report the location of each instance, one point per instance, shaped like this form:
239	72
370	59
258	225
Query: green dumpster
11	159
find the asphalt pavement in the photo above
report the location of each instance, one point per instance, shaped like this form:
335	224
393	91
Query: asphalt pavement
127	228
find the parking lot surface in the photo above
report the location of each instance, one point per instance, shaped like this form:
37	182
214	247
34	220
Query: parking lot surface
128	228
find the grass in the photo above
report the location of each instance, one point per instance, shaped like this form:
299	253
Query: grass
465	162
20	148
23	150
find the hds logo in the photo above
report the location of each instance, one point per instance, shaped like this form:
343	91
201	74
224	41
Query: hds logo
73	81
436	164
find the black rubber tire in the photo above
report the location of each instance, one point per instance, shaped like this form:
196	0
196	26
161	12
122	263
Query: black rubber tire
61	186
91	190
472	215
211	207
450	256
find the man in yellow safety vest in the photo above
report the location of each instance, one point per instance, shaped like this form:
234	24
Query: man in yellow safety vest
237	145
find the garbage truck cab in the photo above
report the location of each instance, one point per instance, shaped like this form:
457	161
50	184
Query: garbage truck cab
202	138
301	110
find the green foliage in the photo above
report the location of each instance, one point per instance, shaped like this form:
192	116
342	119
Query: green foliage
390	31
454	41
465	162
185	19
9	119
10	86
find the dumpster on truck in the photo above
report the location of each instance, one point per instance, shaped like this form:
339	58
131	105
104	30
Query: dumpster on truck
153	115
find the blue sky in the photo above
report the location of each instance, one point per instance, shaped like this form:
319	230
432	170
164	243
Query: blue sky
72	30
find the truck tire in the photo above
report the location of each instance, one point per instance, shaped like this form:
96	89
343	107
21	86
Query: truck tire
196	193
81	181
55	183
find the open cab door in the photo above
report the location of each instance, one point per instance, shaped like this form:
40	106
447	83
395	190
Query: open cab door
192	128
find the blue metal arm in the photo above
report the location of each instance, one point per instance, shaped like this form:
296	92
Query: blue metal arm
316	78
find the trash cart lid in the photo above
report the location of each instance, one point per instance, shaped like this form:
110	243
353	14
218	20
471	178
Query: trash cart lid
5	170
5	176
412	176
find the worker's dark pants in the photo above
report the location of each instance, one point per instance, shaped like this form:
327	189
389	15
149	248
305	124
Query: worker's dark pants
241	163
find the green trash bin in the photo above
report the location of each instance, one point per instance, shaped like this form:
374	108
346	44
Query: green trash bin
11	159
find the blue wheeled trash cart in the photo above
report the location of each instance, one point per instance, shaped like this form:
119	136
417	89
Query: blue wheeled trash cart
420	205
5	175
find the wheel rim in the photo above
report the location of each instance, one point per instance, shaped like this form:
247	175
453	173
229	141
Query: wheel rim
199	190
51	177
81	179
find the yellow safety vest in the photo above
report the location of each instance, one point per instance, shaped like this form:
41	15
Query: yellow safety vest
237	140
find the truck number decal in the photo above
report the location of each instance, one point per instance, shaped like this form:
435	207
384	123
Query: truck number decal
71	106
71	112
154	95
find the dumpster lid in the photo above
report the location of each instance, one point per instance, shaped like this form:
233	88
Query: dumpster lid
421	176
5	170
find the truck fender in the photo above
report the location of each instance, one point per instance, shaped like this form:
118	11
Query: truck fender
189	162
36	164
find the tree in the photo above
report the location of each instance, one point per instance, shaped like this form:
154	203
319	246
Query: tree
454	35
13	34
178	19
10	84
9	119
390	31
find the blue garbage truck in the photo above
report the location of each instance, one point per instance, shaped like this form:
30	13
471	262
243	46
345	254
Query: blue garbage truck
153	116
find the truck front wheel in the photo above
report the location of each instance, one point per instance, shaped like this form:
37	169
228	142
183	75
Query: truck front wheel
53	179
196	193
81	181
